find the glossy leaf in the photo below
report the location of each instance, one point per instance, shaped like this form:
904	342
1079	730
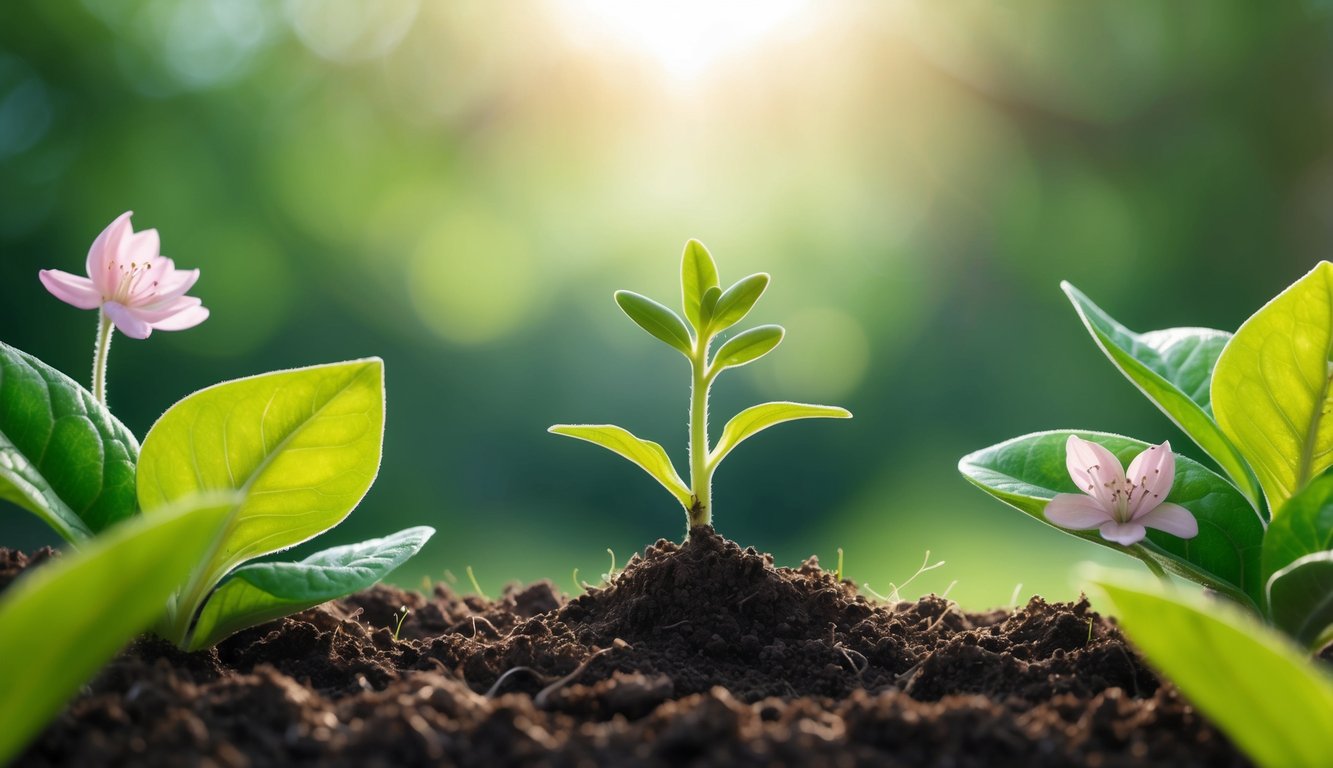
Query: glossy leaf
757	418
1027	472
60	623
1271	387
1300	597
698	273
63	456
1266	695
656	319
1174	369
737	301
302	447
649	456
1304	527
260	592
747	346
708	304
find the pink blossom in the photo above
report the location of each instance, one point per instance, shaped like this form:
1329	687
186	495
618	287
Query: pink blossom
137	287
1119	506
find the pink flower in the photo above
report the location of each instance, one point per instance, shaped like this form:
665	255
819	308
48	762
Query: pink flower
1119	506
137	287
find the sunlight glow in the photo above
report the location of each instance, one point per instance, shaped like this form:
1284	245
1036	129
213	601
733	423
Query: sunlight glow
684	37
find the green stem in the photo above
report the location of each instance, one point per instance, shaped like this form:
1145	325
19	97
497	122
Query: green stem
100	353
701	479
1152	564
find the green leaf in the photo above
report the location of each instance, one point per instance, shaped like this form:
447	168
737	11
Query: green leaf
656	319
1300	597
1174	369
301	446
757	418
60	623
1271	387
737	301
1303	527
1267	696
746	347
63	456
708	304
260	592
698	273
1027	472
650	456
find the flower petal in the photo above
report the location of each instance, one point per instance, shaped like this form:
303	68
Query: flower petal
101	262
142	247
187	318
159	311
171	287
1172	518
1152	472
1076	511
1123	533
71	289
1095	470
127	320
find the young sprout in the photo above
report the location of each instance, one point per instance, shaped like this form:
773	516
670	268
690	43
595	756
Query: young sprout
710	311
402	616
476	587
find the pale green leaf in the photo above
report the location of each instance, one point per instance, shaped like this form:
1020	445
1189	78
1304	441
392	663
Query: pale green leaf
737	301
1300	597
60	623
746	347
260	592
698	273
1174	369
708	304
63	456
757	418
1267	696
1271	387
649	456
1303	527
1027	472
657	320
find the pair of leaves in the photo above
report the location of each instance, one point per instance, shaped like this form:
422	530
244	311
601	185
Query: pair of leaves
300	449
63	456
1027	472
1269	698
1298	563
66	619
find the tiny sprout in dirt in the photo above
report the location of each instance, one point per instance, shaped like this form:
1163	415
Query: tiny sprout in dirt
710	311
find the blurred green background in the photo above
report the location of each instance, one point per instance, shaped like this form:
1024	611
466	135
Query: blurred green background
458	187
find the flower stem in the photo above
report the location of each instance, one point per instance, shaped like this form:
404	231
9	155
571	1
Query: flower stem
104	330
1152	564
701	480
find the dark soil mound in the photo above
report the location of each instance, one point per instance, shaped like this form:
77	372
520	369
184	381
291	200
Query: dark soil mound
700	653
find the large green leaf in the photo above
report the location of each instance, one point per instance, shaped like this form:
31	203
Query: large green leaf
649	456
260	592
1300	597
698	274
757	418
1027	472
1271	387
1303	527
1174	369
1268	697
657	320
62	622
737	301
746	347
302	447
63	456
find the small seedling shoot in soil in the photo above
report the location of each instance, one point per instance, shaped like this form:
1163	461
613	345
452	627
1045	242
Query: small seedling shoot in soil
398	627
710	311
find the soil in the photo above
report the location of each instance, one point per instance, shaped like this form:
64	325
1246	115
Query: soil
695	654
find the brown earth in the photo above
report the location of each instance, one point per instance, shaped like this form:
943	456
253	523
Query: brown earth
695	654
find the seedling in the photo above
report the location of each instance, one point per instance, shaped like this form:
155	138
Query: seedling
710	311
1256	402
476	587
402	616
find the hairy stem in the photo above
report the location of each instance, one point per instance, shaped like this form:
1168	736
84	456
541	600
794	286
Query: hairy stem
701	477
100	353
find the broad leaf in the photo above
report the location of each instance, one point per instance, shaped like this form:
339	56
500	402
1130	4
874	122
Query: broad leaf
747	346
1271	387
260	592
737	301
1174	369
698	273
757	418
656	319
1027	472
1266	695
1303	527
301	446
1300	597
649	456
62	622
63	456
